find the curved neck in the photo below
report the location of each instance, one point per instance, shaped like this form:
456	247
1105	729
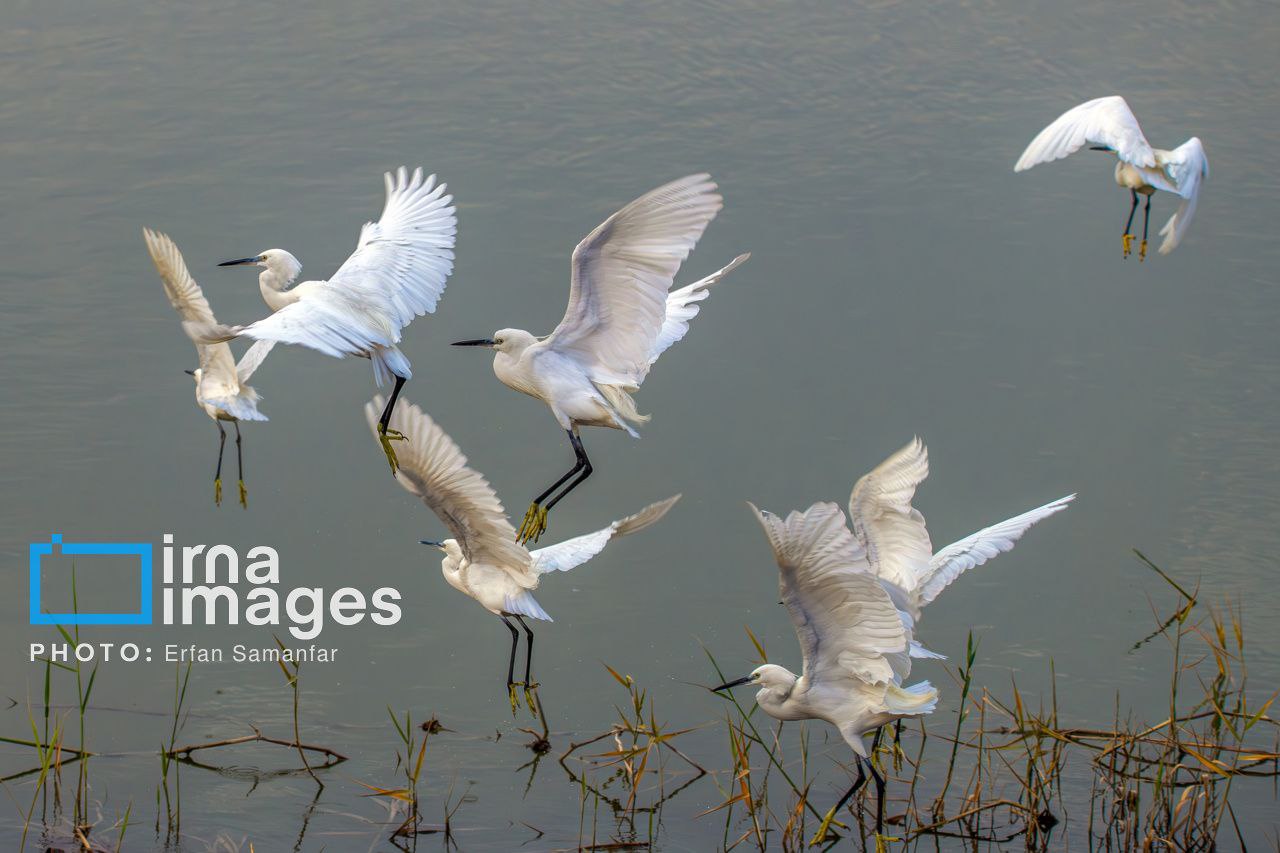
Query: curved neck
272	284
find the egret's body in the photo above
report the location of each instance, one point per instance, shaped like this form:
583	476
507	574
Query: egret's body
397	272
1109	125
482	559
222	389
855	642
621	317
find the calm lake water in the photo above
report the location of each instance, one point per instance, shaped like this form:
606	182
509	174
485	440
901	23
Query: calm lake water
903	281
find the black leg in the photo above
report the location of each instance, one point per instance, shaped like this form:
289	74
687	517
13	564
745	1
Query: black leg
879	797
583	463
528	656
897	732
244	496
1129	224
577	466
857	783
1146	219
875	741
511	661
391	402
222	442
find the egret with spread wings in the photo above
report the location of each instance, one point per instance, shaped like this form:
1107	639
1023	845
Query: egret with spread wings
482	558
1107	124
854	641
221	384
621	317
397	272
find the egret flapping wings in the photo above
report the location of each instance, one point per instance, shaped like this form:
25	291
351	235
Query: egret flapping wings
397	272
1103	121
1187	167
572	553
432	467
846	624
683	306
621	274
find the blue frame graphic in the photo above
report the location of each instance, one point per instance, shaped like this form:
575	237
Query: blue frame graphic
142	550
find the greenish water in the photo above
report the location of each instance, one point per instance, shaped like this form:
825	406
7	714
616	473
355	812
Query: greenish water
903	281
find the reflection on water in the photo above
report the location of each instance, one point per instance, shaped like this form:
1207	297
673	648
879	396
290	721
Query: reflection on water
903	281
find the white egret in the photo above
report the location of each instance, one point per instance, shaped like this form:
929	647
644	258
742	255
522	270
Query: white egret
619	320
1109	125
483	559
853	639
221	384
396	273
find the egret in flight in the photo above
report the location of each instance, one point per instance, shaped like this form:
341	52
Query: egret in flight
396	273
621	317
1107	124
482	558
854	642
221	389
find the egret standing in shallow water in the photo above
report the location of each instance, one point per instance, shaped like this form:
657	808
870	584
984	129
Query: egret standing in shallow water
854	641
620	318
396	273
483	559
221	389
1109	125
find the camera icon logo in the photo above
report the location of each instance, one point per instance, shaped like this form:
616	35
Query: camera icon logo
141	550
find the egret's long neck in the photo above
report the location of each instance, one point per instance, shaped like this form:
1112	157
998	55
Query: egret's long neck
509	367
273	283
451	567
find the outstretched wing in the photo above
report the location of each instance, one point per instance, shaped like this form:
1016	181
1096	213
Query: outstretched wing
972	551
253	358
1102	121
433	468
621	273
397	272
847	627
892	531
572	553
682	306
1187	166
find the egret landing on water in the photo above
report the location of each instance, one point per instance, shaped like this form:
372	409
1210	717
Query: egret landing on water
1109	125
620	318
220	382
482	559
396	273
854	642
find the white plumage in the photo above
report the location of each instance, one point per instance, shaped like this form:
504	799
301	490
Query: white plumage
397	272
482	558
1110	124
621	317
222	389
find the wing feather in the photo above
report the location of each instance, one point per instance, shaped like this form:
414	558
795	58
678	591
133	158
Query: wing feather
848	628
892	531
433	468
1102	121
572	553
621	273
1187	167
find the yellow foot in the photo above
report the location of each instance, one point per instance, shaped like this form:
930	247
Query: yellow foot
531	698
217	492
825	828
244	495
882	842
511	697
385	437
534	524
1127	240
1142	251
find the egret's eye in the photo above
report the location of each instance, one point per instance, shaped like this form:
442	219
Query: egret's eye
498	341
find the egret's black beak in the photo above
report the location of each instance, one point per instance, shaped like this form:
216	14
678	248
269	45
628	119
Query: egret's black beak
189	372
478	342
431	542
241	262
1099	148
744	680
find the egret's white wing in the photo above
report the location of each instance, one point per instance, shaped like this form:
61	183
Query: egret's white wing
1187	166
892	531
572	553
682	306
184	294
847	626
621	273
396	273
972	551
1102	121
433	468
252	359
